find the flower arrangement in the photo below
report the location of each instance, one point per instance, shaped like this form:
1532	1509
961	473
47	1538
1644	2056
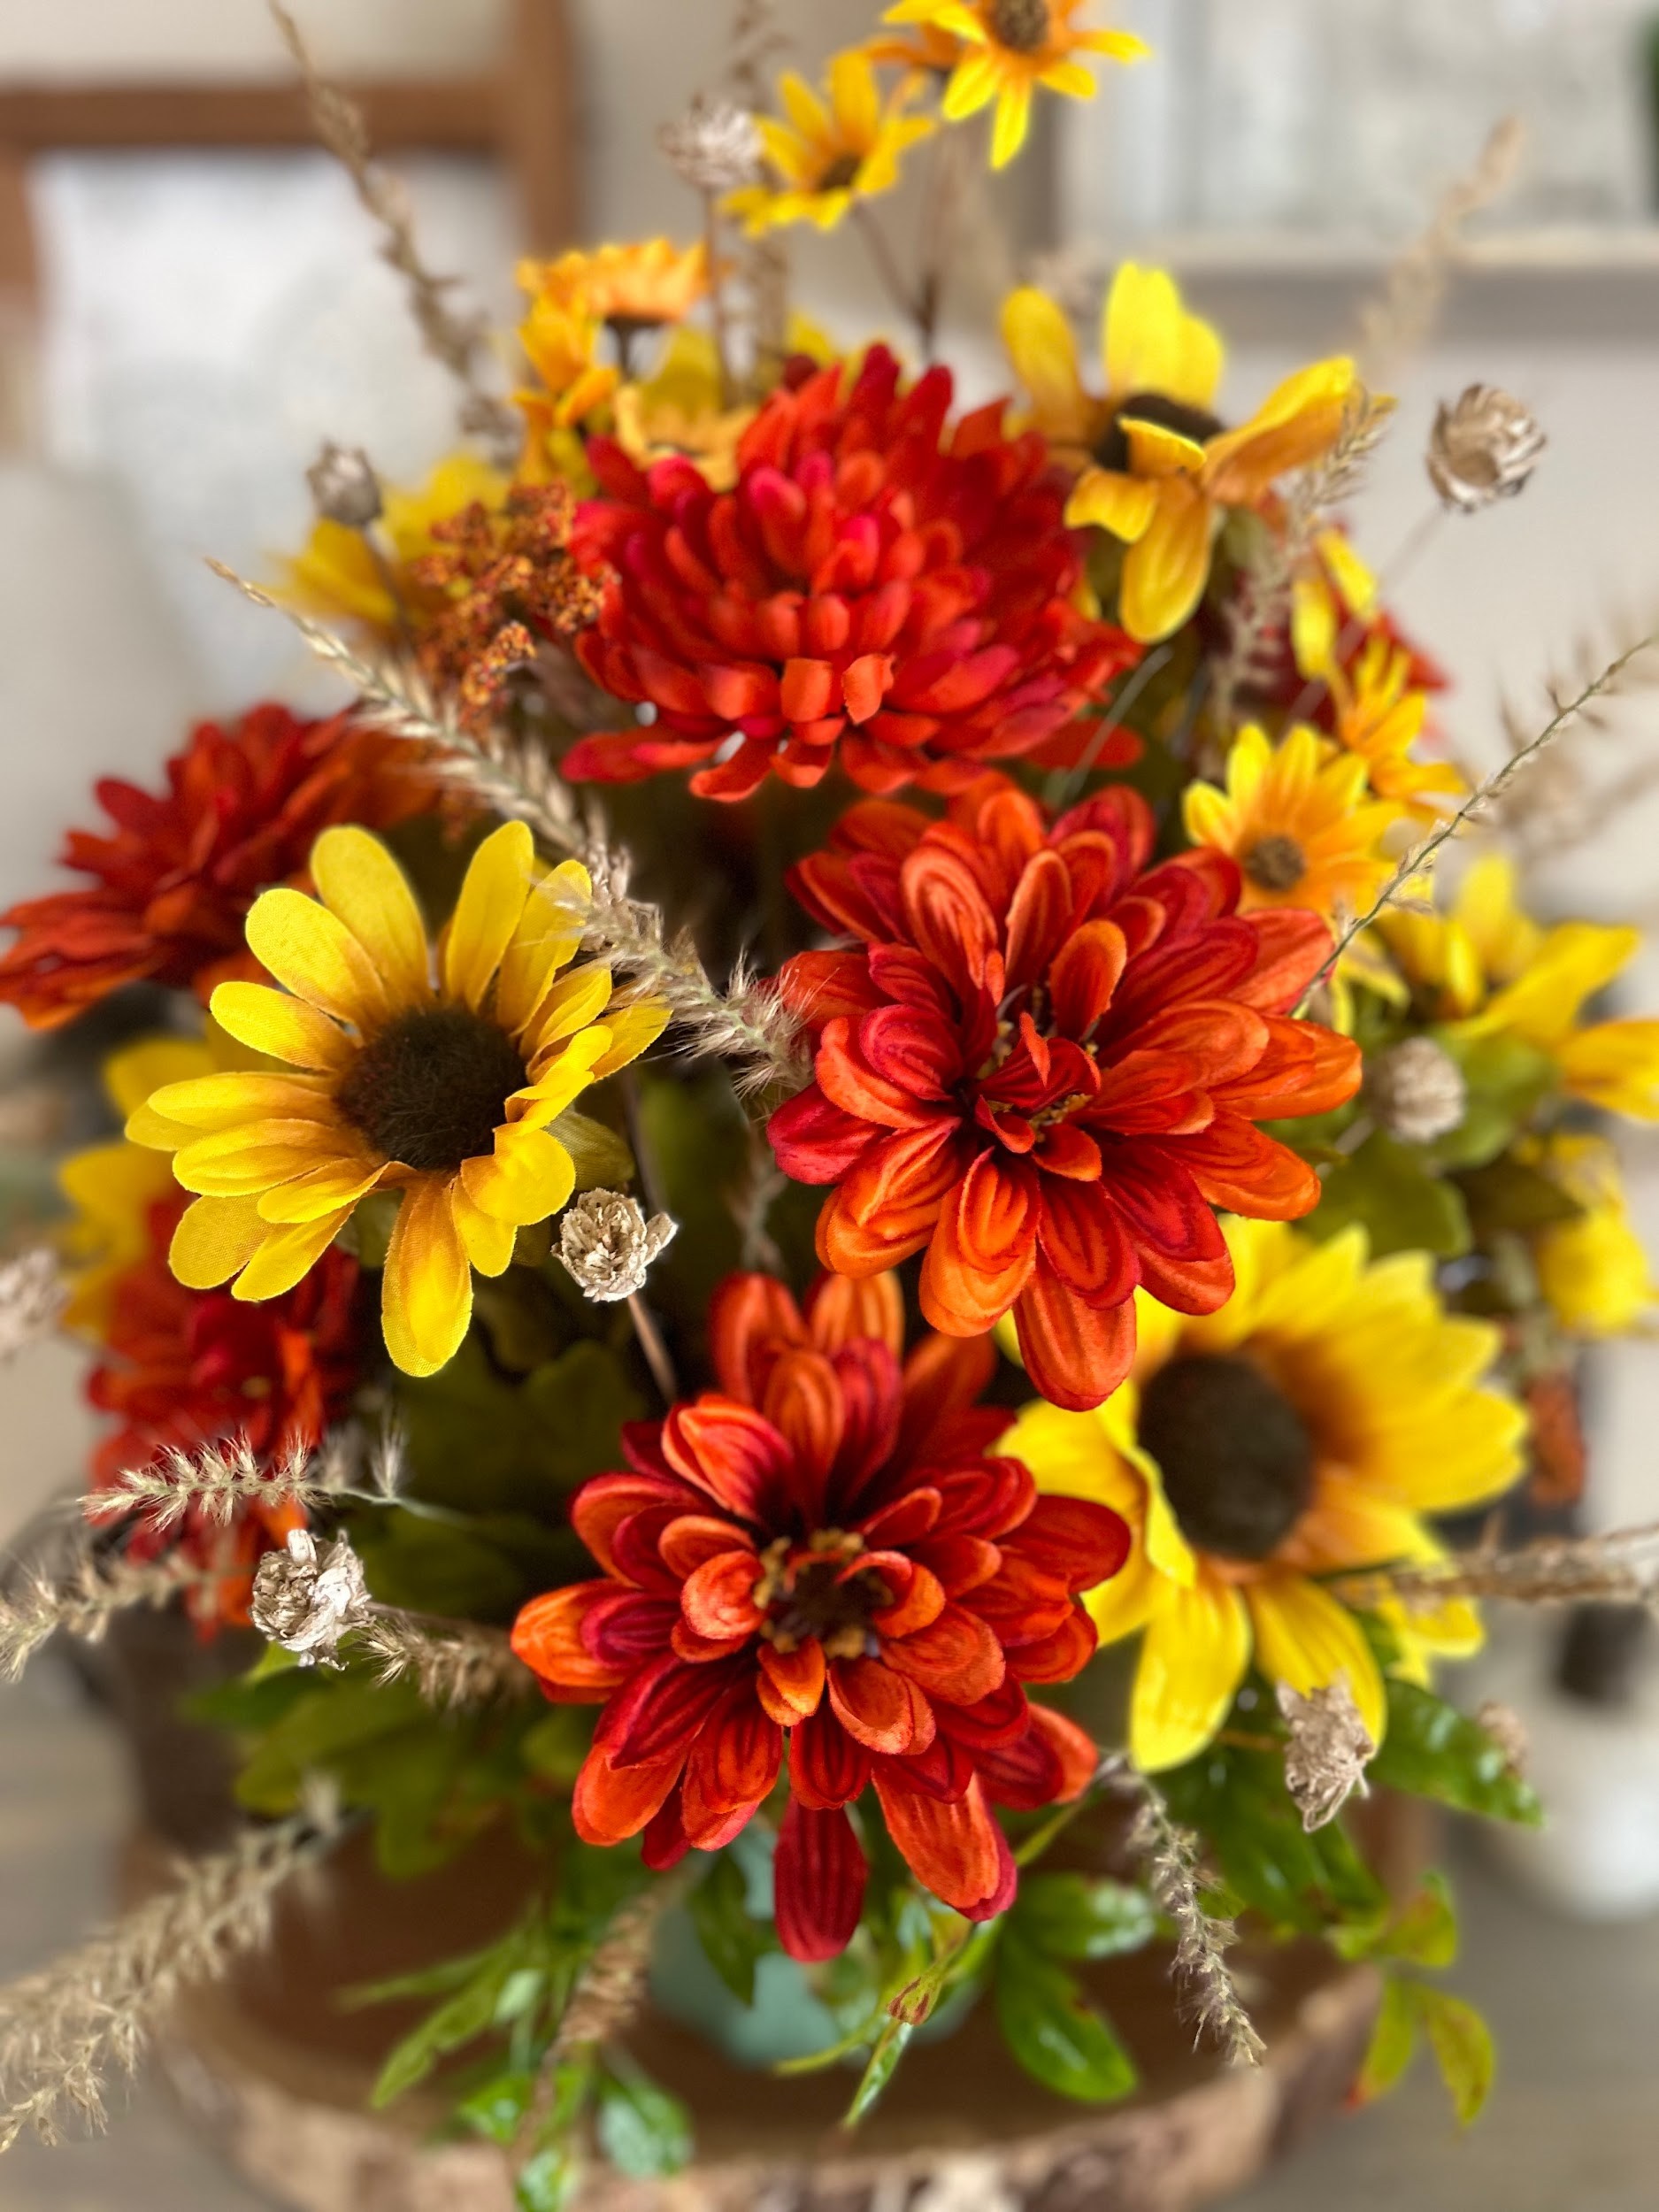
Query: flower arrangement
1108	1207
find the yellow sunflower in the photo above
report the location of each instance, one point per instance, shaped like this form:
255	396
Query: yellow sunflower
829	155
1165	490
642	286
1593	1270
1297	819
1303	1431
680	410
340	573
443	1093
1011	47
1487	969
927	50
1380	718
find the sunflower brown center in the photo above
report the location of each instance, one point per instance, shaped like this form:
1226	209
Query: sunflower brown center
431	1088
824	1595
1275	863
1235	1455
842	174
1197	423
1022	25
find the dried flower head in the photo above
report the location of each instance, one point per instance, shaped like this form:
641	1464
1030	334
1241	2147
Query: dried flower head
33	1293
1416	1091
344	485
714	147
608	1244
1324	1760
1483	448
306	1600
1507	1731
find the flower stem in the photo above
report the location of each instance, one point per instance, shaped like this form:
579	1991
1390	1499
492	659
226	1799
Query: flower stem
654	1349
716	297
887	268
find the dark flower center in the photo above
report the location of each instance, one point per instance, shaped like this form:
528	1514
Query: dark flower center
431	1088
1236	1457
1195	423
842	174
817	1596
1022	25
1275	863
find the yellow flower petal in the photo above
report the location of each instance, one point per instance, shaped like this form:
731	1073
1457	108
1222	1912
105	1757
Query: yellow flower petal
238	1162
215	1239
1300	420
320	1190
1013	120
1044	353
633	1029
528	1177
1615	1065
286	1255
574	1002
132	1074
548	932
1157	452
426	1290
316	957
561	1081
1149	343
1123	505
488	911
488	1242
1193	1658
224	1102
974	83
1304	1637
286	1028
363	887
853	96
1164	574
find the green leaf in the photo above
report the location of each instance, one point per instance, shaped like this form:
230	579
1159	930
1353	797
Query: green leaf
642	2130
1071	1916
496	2109
1463	2047
1392	1189
602	1159
547	2182
890	2047
1054	2031
1506	1079
732	1941
465	2016
1432	1750
694	1130
1506	1195
1237	1800
1394	2042
1422	1932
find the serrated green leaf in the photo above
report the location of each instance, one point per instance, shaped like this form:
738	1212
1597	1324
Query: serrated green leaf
1463	2047
734	1942
643	2130
1432	1750
1074	1916
1393	2045
1054	2031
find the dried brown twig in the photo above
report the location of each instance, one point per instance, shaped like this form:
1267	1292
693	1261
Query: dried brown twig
1621	1568
1557	807
1396	325
64	2030
456	340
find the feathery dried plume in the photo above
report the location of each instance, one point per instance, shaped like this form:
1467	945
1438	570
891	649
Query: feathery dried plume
1394	325
714	147
64	2030
33	1293
344	487
83	1600
1170	1857
1415	1090
1621	1568
218	1479
456	340
1481	800
306	1600
608	1245
453	1665
1483	448
1328	1750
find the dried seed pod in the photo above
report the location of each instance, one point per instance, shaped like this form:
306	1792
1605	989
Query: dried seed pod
1325	1758
1483	448
306	1600
1416	1091
344	485
608	1245
714	147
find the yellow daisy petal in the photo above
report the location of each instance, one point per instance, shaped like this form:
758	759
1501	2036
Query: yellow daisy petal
1304	1637
286	1257
575	1002
528	1177
1300	420
132	1074
238	1162
316	957
562	1081
426	1290
1164	574
215	1239
363	887
633	1029
1044	353
1123	505
320	1190
488	1242
224	1102
487	915
974	83
1013	120
284	1027
1193	1658
855	97
548	933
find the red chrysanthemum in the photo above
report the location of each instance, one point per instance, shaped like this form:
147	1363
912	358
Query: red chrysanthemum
183	1368
875	587
173	883
823	1564
1044	1064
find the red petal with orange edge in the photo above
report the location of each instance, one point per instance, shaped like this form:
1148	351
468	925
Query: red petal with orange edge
601	1505
1058	1656
718	1599
733	1762
729	1450
1235	1165
840	1312
879	1708
1076	1750
1085	1241
795	1680
826	1768
814	1141
749	1317
819	1875
956	1657
1074	1539
983	1247
665	1842
659	1710
1002	1717
610	1804
919	1598
1076	1355
1039	916
1084	975
548	1637
821	986
1291	948
802	1401
955	1850
691	1538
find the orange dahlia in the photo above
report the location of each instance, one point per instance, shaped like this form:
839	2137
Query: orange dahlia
1043	1066
172	885
824	1565
877	584
182	1368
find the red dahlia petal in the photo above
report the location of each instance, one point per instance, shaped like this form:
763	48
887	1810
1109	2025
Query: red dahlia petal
956	1850
826	1767
819	1875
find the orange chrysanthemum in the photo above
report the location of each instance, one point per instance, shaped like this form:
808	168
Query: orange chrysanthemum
1043	1065
876	585
824	1563
172	885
